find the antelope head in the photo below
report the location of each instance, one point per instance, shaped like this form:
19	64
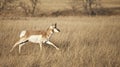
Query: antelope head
54	28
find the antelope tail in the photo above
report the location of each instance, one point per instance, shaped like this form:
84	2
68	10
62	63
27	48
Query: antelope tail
22	34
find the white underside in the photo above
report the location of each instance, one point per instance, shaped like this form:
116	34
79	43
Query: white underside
37	39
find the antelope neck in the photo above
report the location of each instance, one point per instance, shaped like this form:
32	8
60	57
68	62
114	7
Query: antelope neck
49	33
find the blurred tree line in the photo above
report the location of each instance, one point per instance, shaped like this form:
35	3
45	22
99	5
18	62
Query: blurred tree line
89	7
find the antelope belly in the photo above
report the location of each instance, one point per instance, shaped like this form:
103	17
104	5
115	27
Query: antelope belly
35	38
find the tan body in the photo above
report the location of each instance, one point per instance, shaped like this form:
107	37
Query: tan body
36	37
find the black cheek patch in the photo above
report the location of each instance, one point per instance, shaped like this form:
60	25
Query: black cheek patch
58	30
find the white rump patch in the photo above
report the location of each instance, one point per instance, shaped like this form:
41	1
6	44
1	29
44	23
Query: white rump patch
22	33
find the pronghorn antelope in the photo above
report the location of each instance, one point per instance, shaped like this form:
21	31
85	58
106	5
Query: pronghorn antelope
36	37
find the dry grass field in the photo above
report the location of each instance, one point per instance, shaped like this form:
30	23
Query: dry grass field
83	42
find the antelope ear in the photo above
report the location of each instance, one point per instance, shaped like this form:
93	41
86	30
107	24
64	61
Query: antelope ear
55	24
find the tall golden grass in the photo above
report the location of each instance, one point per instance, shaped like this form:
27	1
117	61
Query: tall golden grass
83	42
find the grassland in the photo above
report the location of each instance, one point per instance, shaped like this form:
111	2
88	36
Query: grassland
83	42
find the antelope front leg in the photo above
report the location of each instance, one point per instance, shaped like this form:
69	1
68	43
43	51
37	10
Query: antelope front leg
50	43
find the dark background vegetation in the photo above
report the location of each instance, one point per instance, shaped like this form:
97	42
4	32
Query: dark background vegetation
59	8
